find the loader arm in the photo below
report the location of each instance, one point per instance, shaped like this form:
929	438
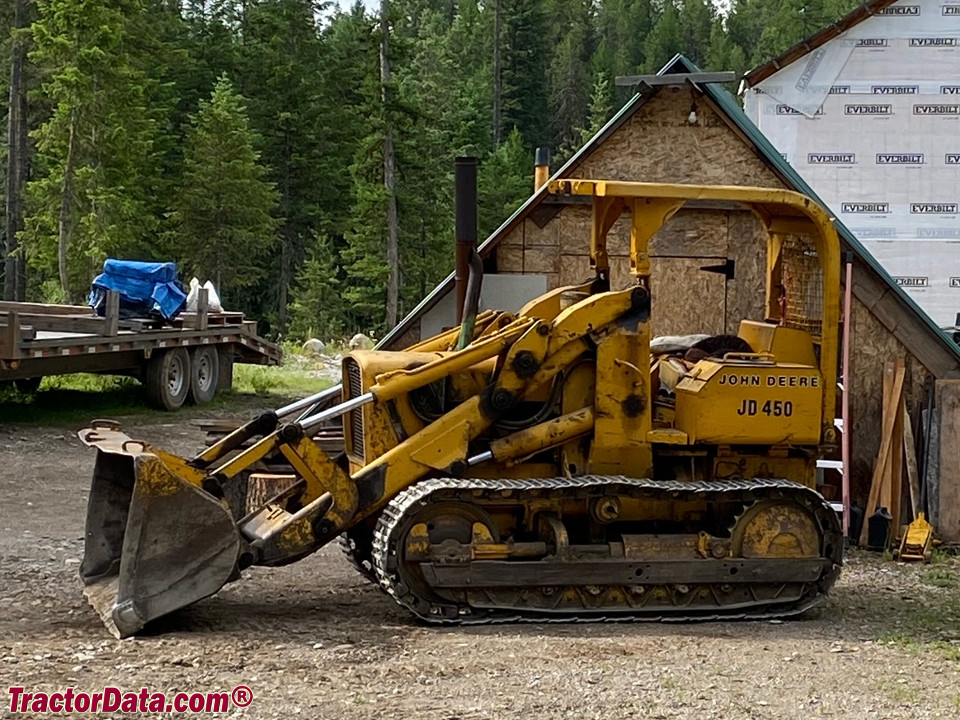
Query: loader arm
534	470
127	571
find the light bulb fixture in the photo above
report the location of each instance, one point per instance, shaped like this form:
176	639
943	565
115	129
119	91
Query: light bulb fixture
692	117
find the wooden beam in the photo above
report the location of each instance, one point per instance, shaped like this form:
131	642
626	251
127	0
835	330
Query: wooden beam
913	474
723	76
10	337
59	323
111	317
203	308
885	498
896	460
948	410
883	457
44	309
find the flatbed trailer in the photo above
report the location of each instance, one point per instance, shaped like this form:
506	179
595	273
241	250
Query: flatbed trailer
187	359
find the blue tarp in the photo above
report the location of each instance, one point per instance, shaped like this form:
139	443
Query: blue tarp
146	288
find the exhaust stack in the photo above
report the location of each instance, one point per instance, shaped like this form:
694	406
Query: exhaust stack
465	211
541	171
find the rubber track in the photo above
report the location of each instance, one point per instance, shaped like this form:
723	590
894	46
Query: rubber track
755	490
350	553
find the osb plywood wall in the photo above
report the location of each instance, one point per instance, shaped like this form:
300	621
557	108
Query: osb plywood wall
692	240
872	346
555	240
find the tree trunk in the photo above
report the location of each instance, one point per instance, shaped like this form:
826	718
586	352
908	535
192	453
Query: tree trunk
288	233
497	88
286	271
389	172
15	121
66	207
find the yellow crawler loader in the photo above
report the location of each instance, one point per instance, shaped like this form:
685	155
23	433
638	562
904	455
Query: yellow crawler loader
529	466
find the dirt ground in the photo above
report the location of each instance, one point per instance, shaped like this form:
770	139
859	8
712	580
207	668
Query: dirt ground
314	639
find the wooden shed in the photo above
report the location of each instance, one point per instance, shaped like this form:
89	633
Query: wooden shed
708	267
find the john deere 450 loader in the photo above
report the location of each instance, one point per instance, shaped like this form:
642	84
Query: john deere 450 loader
527	466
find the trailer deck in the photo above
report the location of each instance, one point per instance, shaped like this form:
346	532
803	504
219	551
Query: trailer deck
191	356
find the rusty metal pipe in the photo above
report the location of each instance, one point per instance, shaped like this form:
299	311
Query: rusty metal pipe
465	223
541	169
471	306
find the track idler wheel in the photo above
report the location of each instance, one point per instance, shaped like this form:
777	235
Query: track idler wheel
776	529
438	530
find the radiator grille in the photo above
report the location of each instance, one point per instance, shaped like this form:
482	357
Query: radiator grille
355	389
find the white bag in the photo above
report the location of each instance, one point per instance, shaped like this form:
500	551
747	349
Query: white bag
213	299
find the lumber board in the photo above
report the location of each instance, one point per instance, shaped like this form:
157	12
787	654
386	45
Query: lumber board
10	337
931	476
886	487
43	308
63	323
883	457
27	332
913	472
948	410
896	463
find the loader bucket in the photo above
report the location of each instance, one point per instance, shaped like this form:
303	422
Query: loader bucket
154	541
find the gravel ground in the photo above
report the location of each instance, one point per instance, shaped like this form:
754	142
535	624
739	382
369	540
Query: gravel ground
314	639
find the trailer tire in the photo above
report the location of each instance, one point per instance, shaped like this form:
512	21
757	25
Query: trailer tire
204	374
167	378
27	386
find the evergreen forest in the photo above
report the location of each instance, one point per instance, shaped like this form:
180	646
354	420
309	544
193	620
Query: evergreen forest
299	154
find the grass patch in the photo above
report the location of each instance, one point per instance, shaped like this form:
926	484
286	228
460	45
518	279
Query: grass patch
78	398
288	379
939	576
947	650
899	692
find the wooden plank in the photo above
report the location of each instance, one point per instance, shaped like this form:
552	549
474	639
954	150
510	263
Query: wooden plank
913	473
948	410
43	308
192	320
931	475
61	323
112	314
885	499
883	457
896	460
10	338
88	323
202	309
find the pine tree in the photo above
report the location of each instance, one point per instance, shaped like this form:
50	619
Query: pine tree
318	309
365	229
289	103
15	168
222	214
724	54
570	86
697	20
525	61
504	181
664	39
601	109
96	154
622	25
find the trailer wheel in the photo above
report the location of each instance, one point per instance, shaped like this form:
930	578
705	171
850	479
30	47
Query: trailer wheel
27	386
167	379
204	374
